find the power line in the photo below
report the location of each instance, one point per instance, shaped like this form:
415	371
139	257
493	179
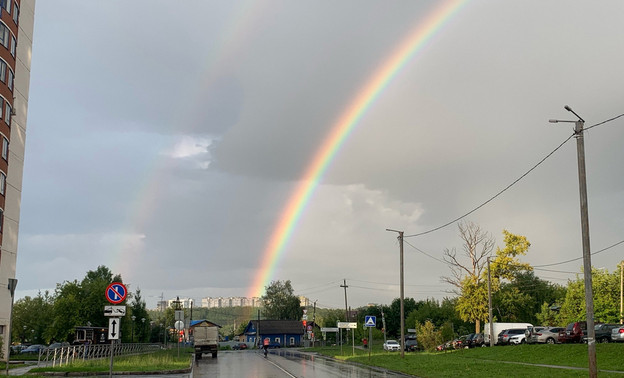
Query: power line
603	122
510	185
495	196
425	253
579	258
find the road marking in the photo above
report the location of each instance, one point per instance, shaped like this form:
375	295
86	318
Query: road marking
281	368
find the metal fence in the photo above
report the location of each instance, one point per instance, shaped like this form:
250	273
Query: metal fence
68	354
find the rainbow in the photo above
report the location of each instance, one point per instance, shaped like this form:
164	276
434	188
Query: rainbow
345	124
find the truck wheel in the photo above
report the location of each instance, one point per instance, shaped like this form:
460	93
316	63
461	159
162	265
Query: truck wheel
214	354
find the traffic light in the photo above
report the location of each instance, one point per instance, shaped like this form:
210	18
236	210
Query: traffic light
305	322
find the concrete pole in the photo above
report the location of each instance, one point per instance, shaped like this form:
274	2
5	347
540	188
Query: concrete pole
490	317
587	268
621	292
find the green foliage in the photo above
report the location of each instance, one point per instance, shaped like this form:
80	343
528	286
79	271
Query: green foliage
141	323
30	318
472	304
280	302
428	338
606	297
47	318
546	316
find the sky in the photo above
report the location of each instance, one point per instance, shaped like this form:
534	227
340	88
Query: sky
166	140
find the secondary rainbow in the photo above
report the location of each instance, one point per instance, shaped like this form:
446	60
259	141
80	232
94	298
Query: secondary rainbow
347	121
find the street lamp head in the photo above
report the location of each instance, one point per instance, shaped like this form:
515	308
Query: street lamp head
553	120
133	318
573	112
567	108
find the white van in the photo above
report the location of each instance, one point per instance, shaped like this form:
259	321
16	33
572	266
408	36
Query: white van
498	328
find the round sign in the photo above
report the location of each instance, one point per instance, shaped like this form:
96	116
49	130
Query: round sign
116	293
179	325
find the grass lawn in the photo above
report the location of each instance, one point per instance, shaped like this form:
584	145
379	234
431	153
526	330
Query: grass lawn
161	360
491	362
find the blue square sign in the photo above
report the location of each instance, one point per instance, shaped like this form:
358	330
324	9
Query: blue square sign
370	320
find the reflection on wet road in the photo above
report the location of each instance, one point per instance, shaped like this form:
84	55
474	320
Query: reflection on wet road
281	363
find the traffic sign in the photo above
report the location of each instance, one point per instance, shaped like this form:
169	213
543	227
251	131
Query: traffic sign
113	328
116	292
115	311
179	325
350	325
369	321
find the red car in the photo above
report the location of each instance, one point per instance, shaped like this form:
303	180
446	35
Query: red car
573	333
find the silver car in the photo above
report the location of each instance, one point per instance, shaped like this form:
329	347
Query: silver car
617	334
544	335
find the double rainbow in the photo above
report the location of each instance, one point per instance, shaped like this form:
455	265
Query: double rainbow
345	124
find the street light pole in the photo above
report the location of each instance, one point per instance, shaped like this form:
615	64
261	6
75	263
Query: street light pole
402	292
133	319
587	272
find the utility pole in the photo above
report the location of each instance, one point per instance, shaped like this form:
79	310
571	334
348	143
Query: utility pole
621	292
402	292
490	304
587	272
346	310
383	323
313	324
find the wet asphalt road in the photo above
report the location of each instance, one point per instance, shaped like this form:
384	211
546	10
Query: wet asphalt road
280	364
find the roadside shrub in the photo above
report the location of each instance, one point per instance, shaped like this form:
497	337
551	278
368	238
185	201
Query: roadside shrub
428	338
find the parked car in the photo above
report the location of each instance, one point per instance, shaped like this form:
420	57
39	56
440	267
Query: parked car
517	339
392	345
58	345
602	332
445	346
239	346
504	337
547	335
411	345
617	334
33	349
531	334
460	342
573	333
477	340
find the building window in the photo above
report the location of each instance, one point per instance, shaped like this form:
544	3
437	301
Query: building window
5	148
6	4
277	340
1	220
11	77
13	46
1	106
7	113
292	341
3	66
15	13
2	183
5	33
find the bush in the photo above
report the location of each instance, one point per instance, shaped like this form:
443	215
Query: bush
428	338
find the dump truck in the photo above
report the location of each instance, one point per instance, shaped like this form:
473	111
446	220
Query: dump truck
206	340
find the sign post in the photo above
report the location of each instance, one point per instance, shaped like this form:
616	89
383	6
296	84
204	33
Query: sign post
370	322
115	294
348	325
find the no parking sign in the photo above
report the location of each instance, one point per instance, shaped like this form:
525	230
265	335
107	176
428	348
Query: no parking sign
116	292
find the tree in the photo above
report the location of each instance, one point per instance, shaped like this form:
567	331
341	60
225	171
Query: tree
280	303
605	287
471	277
31	317
141	318
428	338
467	277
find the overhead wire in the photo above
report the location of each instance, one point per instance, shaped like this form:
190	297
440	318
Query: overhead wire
510	185
579	258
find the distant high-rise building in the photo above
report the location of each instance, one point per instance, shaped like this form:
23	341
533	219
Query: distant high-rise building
220	302
16	35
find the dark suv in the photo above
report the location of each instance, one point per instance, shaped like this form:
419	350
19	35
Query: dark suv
573	333
603	332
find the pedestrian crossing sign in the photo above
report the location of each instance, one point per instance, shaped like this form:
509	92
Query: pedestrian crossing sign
369	321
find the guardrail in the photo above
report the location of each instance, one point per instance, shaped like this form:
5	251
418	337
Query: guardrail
68	354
